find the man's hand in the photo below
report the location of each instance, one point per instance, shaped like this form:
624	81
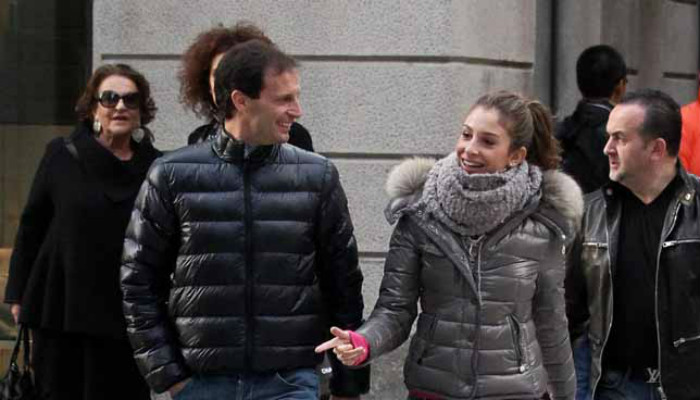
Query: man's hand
15	309
176	388
342	347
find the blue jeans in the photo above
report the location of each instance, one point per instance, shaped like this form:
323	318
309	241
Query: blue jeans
617	385
582	363
298	384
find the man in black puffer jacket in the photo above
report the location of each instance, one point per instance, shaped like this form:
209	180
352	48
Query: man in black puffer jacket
240	253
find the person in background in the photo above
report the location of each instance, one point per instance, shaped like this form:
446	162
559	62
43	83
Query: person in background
633	283
601	75
240	253
64	271
480	243
690	139
196	76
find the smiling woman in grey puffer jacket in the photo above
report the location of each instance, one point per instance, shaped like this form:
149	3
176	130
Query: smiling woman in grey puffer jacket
480	242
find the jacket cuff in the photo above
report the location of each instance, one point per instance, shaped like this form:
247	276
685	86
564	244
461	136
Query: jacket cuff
358	340
165	377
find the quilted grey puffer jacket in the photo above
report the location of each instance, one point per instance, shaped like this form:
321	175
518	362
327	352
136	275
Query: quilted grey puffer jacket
492	322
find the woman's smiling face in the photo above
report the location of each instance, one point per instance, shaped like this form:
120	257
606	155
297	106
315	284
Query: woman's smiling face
484	146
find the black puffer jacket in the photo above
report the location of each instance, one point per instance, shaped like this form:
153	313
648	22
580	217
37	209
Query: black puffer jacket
492	322
589	285
236	263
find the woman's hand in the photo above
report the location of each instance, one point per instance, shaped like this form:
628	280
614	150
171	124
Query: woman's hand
15	309
342	347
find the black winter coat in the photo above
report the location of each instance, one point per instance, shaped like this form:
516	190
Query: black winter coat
589	285
582	136
236	264
65	263
298	135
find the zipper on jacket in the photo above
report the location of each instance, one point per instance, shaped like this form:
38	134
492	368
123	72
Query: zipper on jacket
671	243
612	314
677	207
475	353
597	245
678	343
473	248
248	266
517	342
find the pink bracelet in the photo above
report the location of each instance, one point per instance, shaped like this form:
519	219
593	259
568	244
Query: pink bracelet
358	340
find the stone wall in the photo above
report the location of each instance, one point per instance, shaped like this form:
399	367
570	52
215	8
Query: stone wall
657	38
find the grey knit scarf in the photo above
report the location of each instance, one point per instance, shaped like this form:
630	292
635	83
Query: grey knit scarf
473	204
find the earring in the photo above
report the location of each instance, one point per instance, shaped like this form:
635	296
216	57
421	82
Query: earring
96	127
138	134
513	164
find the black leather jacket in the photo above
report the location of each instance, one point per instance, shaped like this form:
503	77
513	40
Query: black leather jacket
589	285
239	263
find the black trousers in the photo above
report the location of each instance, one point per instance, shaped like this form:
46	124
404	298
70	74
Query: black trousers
77	366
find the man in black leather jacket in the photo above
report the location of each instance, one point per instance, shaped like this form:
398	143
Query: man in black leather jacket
601	76
633	284
240	253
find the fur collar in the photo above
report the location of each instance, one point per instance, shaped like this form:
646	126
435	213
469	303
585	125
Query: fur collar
405	187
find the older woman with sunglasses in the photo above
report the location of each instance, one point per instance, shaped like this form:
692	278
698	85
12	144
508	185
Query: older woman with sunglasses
63	280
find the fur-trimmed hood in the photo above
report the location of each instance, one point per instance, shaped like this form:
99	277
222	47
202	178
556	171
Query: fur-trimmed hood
405	187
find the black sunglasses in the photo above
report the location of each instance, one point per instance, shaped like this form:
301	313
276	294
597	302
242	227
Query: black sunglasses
110	99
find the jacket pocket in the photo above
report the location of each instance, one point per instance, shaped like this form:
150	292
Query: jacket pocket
518	345
684	299
594	255
683	340
424	333
594	245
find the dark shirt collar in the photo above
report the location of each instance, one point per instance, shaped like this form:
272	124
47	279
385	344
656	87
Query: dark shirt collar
598	102
595	105
662	200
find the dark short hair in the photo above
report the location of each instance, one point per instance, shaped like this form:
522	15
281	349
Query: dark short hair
196	63
662	117
243	68
598	70
87	103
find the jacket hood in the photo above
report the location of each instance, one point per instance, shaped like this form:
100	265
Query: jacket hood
405	187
